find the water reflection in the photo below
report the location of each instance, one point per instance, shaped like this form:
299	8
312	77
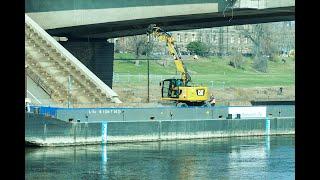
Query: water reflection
104	159
244	158
267	146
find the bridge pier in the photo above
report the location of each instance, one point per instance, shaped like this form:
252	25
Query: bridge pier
96	54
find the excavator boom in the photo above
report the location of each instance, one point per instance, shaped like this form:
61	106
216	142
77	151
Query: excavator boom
173	50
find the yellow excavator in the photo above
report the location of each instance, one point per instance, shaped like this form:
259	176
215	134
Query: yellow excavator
179	90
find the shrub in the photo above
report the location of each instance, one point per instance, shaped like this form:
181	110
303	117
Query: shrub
198	48
260	63
236	60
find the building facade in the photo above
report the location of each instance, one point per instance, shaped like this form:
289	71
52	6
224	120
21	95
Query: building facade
224	40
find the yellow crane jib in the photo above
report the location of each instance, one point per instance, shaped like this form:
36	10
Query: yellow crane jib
157	32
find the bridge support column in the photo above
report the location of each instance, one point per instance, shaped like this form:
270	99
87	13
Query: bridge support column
96	54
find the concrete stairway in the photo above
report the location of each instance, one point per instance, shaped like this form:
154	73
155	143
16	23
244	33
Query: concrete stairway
63	77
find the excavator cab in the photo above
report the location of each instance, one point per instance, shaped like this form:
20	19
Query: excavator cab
176	90
170	88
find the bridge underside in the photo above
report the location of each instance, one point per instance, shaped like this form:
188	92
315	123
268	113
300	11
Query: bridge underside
174	23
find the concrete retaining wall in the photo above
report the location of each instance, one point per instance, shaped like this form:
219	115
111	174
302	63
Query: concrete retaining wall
47	131
191	129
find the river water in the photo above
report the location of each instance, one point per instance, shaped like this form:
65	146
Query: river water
219	158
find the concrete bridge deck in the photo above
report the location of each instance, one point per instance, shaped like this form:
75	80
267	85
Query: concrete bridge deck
108	19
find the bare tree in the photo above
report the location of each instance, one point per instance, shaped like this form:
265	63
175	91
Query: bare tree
220	41
285	37
121	45
140	46
236	60
263	43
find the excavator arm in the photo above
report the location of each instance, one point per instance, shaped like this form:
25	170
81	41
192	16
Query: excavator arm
173	50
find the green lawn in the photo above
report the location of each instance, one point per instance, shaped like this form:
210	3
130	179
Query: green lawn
212	70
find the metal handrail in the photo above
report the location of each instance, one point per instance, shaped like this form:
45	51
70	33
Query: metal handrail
39	82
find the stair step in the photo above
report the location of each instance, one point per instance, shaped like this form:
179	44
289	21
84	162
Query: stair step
52	67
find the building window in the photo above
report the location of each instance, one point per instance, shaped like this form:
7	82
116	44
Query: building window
193	37
186	37
239	40
231	39
179	38
149	38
